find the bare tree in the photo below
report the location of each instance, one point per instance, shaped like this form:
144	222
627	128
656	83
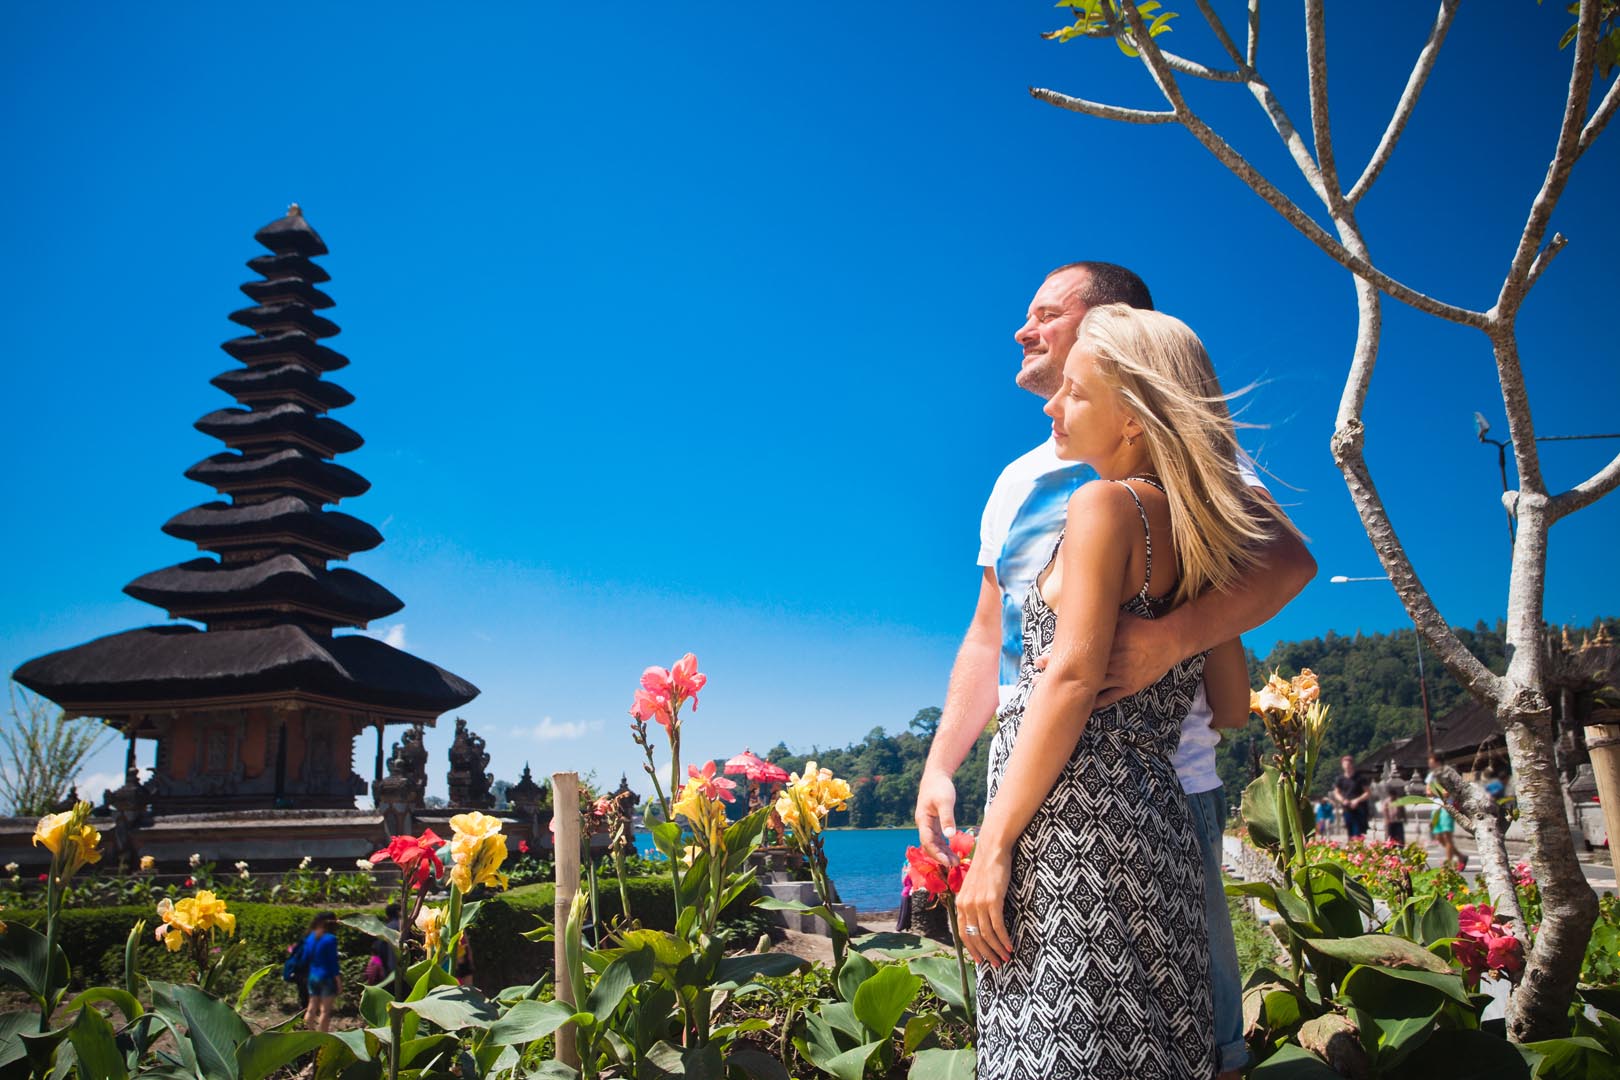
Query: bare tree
41	753
1539	1004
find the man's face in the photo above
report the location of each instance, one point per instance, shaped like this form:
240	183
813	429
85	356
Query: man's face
1347	766
1049	331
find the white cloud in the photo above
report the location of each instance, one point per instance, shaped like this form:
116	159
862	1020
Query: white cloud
548	729
91	785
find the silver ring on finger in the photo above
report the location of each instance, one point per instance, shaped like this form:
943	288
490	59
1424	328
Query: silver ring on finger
970	930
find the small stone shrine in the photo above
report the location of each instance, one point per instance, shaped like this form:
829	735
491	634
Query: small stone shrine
259	708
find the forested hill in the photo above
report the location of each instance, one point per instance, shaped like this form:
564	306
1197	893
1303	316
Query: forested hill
1370	680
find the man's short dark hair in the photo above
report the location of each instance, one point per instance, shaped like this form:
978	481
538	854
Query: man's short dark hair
1108	283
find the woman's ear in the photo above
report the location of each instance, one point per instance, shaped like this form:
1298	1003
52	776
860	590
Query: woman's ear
1133	429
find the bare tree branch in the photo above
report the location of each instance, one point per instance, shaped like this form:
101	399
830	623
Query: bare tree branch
1199	71
1600	119
1408	101
1464	665
1253	51
1221	35
1569	140
1547	255
1321	129
1097	108
1586	492
1516	404
1165	79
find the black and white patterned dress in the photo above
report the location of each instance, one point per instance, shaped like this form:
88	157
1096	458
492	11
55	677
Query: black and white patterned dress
1110	974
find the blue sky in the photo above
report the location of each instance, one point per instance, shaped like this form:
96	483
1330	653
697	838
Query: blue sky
691	329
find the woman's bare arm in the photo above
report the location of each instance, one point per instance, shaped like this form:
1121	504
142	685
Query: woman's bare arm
1226	684
1103	526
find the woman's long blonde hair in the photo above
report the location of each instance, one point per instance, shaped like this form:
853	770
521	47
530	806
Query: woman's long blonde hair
1164	379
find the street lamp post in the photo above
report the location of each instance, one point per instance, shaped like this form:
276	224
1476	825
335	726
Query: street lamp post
1423	682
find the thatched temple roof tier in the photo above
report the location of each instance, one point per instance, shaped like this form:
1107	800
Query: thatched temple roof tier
291	315
280	426
283	382
288	523
288	289
285	472
291	235
290	346
160	666
219	594
285	266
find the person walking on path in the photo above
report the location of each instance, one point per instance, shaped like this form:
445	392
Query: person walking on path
1443	825
1021	522
325	981
1351	792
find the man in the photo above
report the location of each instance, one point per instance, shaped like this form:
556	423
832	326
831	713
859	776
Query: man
1018	531
1350	791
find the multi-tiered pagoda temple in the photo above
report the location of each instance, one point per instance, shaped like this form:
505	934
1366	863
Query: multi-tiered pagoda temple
261	708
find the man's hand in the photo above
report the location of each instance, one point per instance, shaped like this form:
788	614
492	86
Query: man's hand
936	815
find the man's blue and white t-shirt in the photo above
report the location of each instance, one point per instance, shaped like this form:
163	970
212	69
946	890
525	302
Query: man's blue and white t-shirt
1019	529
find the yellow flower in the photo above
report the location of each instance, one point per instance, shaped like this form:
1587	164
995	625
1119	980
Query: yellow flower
1305	686
818	792
71	839
211	913
478	849
1270	698
689	854
706	816
192	915
430	921
148	862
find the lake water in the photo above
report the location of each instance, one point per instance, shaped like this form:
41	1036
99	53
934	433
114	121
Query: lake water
864	864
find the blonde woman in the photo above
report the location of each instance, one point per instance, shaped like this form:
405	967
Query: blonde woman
1084	904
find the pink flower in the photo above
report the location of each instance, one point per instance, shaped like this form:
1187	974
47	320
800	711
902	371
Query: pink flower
1505	953
710	785
1471	955
523	847
649	705
1522	876
1475	920
189	881
687	679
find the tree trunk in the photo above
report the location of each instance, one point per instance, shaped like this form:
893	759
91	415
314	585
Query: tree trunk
1539	1006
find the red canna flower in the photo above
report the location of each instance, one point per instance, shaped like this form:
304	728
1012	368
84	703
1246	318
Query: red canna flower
1475	920
962	845
416	856
926	874
650	705
523	847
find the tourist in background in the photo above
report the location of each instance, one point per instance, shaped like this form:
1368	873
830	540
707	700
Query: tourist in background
1443	825
1324	816
1020	525
1350	791
324	979
380	966
1086	896
1394	815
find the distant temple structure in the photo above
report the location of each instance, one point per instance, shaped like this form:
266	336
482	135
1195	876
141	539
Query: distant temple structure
260	709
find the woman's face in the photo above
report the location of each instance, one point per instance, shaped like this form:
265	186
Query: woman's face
1088	420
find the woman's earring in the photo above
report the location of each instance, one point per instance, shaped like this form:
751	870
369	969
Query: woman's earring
1130	440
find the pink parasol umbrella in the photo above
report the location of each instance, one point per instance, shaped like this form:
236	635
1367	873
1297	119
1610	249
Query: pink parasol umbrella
756	769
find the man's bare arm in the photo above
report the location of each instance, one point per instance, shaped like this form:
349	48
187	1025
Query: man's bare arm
970	703
1226	685
1144	649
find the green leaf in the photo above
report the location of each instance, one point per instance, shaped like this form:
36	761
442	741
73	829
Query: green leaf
942	1065
849	1065
1258	808
22	961
374	1002
943	978
919	1028
527	1021
1293	1063
213	1028
127	1003
616	980
452	1008
96	1046
1464	1054
250	982
1380	950
373	927
856	970
841	1015
896	946
881	1000
667	839
757	1064
261	1055
695	1063
733	971
1569	1059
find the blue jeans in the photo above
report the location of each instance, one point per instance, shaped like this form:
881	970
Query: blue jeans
1209	819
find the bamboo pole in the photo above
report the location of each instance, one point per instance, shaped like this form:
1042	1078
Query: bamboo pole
565	819
1603	747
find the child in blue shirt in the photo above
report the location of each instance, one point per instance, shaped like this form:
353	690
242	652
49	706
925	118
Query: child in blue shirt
324	979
